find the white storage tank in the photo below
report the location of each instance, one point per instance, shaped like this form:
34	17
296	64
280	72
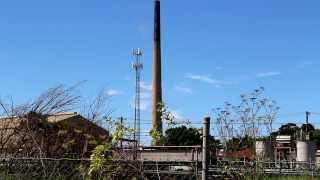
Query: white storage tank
318	158
264	149
306	151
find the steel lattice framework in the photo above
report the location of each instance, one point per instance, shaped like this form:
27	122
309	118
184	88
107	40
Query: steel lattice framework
137	66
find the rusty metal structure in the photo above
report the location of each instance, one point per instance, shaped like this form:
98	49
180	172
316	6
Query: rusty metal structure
157	80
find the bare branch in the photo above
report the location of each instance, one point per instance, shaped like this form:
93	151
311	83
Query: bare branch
98	110
54	100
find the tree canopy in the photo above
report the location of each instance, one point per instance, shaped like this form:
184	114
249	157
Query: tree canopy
181	136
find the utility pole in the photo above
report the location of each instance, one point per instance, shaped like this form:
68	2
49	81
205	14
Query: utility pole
137	66
205	157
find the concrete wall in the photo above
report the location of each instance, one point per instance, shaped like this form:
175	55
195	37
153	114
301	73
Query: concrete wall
170	156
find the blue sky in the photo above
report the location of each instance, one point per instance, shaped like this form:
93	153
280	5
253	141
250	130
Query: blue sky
212	51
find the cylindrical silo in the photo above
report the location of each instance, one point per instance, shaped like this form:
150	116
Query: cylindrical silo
306	151
318	158
263	149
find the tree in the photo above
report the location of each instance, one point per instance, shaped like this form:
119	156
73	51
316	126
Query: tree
214	144
289	129
98	110
296	132
307	128
253	117
239	143
178	133
101	164
169	120
315	136
26	129
7	127
181	136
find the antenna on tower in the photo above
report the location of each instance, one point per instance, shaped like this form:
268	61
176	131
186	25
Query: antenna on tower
137	66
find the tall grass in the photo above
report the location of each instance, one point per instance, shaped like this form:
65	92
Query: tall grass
266	177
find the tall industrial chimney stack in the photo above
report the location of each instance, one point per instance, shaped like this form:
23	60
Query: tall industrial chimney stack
156	83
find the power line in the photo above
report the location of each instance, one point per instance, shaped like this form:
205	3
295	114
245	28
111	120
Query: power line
198	124
294	114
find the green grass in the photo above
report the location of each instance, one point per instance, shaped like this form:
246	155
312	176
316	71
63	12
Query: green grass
282	178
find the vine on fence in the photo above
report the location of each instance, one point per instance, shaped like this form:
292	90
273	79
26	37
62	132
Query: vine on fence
101	155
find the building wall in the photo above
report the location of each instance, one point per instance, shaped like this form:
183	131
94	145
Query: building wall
170	156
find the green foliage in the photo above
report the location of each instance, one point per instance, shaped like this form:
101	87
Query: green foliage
119	133
289	129
98	159
118	130
93	142
295	132
284	177
214	143
83	171
99	167
236	144
167	116
172	127
68	144
179	133
57	139
307	128
315	136
181	136
155	135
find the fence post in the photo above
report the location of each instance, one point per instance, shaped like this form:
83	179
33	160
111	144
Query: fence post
206	133
197	163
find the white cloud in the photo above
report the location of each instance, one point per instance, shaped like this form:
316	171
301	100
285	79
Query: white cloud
145	105
268	74
112	92
146	86
207	79
145	96
202	78
184	90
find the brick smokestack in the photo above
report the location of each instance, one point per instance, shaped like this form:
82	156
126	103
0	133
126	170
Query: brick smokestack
157	81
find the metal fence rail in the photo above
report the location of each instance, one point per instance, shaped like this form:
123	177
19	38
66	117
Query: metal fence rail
48	168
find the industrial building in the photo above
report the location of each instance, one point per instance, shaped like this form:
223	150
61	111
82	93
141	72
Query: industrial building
65	134
288	153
